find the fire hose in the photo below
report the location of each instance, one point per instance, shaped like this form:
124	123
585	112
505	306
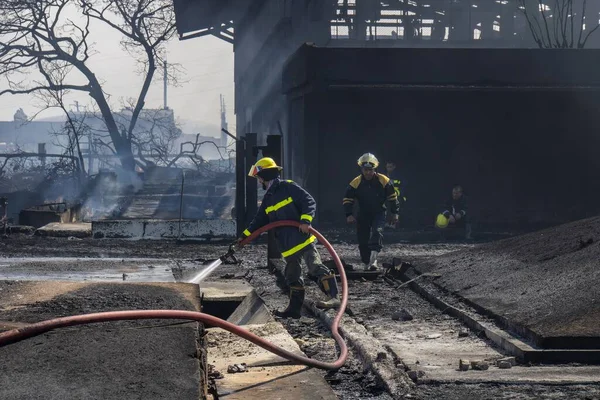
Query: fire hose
17	335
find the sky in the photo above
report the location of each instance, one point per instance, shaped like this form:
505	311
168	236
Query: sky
207	72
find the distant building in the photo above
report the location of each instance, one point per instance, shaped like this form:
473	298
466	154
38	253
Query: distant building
24	135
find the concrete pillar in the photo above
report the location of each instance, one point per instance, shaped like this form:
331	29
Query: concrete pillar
251	185
240	185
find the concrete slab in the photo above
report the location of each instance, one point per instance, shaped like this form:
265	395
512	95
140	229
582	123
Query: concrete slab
87	269
117	360
269	376
506	342
225	290
436	350
251	311
57	229
164	229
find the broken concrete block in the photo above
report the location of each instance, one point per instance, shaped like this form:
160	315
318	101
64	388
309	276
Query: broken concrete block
511	360
235	368
301	343
434	336
463	332
402	315
415	375
463	365
480	365
503	364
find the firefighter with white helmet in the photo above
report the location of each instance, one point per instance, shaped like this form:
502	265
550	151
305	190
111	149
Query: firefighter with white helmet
374	193
286	200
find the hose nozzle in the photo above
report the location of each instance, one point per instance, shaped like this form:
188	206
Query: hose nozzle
229	257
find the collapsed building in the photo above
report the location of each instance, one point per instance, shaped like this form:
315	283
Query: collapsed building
453	92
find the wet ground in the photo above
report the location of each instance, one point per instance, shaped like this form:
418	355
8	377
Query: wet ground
416	342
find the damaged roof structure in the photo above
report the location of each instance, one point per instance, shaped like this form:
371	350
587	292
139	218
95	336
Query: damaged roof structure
370	78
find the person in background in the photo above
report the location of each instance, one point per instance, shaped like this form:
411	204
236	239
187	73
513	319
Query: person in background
399	186
373	191
455	212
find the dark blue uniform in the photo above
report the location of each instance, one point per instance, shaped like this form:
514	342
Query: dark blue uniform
285	200
372	196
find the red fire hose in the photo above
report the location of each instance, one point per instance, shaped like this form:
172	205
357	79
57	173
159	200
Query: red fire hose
32	330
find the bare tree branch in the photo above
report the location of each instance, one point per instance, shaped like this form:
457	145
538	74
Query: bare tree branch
36	38
559	28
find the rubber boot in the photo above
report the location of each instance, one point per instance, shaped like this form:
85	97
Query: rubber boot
295	306
329	285
373	261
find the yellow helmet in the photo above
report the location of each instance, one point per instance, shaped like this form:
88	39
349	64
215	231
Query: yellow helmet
368	160
262	164
441	221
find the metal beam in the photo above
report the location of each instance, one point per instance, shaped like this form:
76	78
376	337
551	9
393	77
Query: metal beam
222	32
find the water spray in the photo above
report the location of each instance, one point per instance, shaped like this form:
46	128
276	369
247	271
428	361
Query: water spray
230	255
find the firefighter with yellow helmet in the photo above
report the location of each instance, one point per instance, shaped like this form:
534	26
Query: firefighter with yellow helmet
374	193
455	212
286	200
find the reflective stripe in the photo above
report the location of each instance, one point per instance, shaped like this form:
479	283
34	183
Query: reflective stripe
299	247
246	232
392	196
306	217
277	206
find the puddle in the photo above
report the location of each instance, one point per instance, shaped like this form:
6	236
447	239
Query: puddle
87	269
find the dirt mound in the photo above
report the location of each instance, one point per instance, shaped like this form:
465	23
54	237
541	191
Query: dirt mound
545	285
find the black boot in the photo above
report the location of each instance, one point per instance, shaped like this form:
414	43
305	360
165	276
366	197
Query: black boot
329	286
296	300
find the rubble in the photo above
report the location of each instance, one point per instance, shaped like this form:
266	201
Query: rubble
463	333
480	365
511	360
402	315
237	368
415	375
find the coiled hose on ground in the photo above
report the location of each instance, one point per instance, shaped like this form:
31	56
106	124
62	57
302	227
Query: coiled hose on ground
39	328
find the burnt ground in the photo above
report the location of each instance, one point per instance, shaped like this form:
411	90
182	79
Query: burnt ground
123	359
373	304
547	281
366	300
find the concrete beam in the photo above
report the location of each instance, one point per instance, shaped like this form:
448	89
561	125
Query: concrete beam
164	229
510	344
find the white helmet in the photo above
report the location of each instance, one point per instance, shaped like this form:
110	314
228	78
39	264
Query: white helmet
368	160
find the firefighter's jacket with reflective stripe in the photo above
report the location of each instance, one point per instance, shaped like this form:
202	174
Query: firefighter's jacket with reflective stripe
285	200
372	195
399	186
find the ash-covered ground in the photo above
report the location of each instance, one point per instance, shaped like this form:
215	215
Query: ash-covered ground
373	303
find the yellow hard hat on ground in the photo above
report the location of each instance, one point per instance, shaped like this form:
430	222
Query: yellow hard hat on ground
263	164
441	221
368	160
